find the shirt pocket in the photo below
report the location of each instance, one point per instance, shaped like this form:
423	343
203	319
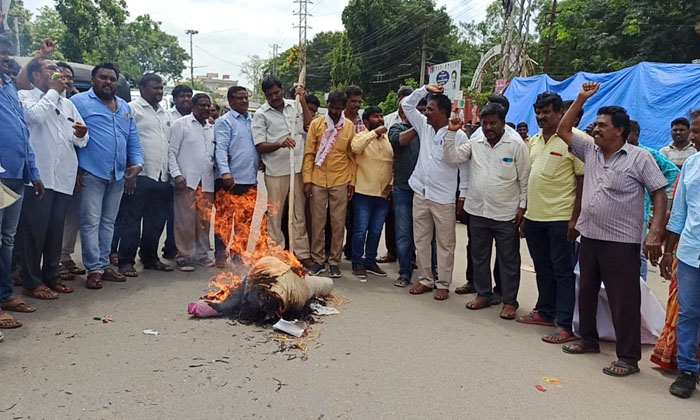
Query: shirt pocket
552	164
618	181
505	169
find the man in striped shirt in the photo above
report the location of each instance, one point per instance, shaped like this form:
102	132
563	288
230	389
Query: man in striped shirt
611	222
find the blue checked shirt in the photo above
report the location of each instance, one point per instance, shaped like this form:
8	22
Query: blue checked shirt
16	154
234	139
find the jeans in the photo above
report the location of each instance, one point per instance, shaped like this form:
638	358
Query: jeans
553	257
403	223
370	214
9	219
149	203
99	205
688	327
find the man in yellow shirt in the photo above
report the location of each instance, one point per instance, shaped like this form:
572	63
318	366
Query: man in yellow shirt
328	172
553	206
374	159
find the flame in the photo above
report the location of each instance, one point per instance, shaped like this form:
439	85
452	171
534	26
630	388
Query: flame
231	211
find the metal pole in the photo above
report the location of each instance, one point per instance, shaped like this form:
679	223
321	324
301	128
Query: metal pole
423	57
191	32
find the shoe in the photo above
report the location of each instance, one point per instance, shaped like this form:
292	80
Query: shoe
205	262
334	272
185	266
359	271
402	282
307	263
684	385
374	269
467	289
317	269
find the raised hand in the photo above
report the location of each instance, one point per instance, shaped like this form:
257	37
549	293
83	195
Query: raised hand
47	47
455	124
433	88
588	89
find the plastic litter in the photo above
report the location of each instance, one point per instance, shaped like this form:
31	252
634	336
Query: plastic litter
295	328
150	332
551	381
540	388
319	309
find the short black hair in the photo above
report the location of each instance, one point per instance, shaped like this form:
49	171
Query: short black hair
269	82
404	91
107	66
312	100
337	96
33	66
64	65
217	106
14	68
619	118
6	40
589	129
443	103
494	108
546	99
634	127
180	89
422	102
567	104
511	124
501	100
681	121
149	77
353	91
234	90
369	111
198	97
523	124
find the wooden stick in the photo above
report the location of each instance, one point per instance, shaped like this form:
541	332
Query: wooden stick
292	174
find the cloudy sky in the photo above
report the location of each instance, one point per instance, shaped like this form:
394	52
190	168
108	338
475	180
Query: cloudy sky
229	31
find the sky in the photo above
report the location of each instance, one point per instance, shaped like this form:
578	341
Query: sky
230	31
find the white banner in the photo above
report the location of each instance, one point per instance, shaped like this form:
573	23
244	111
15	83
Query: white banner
448	75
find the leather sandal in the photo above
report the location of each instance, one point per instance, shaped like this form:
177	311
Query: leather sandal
508	312
94	281
419	289
111	275
478	303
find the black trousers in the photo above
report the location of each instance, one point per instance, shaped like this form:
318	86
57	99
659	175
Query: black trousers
617	265
147	206
169	248
41	223
505	233
470	263
390	231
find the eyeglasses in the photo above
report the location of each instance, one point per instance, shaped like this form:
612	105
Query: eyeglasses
52	68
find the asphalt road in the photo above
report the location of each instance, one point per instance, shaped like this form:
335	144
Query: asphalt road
387	355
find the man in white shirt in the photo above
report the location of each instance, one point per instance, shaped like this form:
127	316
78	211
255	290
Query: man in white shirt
55	130
191	162
278	126
495	200
182	97
434	182
148	196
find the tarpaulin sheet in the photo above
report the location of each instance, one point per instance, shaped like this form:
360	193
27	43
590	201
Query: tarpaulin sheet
654	94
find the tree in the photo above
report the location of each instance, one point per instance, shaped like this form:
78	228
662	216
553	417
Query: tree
48	24
345	67
253	71
19	18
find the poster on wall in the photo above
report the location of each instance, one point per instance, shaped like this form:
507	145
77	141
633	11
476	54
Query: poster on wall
448	75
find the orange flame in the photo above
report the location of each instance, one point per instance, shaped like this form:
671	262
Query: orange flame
234	214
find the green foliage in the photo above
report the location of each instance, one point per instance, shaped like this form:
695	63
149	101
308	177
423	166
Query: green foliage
345	67
18	17
388	105
253	71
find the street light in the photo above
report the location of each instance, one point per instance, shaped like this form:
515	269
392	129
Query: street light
191	32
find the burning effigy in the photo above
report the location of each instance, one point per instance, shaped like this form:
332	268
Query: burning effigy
266	284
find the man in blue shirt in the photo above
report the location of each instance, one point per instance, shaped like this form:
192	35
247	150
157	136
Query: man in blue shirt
684	230
670	172
238	162
18	167
113	154
17	161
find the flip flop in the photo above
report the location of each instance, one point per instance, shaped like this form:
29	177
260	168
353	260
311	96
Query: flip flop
18	305
158	266
559	336
61	288
579	348
41	293
419	289
533	318
478	303
441	294
128	270
7	321
627	369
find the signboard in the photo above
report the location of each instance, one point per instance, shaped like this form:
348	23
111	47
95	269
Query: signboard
500	85
448	75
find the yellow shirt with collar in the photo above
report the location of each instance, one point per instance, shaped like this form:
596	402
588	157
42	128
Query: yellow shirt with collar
374	159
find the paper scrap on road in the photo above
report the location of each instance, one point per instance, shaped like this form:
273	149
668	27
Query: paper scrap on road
295	328
150	332
320	310
551	381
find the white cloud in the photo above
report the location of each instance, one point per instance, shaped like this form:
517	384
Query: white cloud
229	31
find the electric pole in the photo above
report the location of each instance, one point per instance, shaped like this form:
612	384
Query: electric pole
303	27
423	56
275	52
191	32
548	48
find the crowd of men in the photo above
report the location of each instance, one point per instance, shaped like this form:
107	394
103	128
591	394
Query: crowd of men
122	173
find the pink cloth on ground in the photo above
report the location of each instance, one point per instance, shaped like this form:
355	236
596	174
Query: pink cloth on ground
201	309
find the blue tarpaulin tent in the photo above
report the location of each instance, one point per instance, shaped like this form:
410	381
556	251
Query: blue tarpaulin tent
652	93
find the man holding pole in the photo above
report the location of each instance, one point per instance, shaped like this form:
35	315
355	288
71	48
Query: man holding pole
278	126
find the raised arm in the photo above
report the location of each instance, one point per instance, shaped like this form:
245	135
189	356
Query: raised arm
566	124
450	151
